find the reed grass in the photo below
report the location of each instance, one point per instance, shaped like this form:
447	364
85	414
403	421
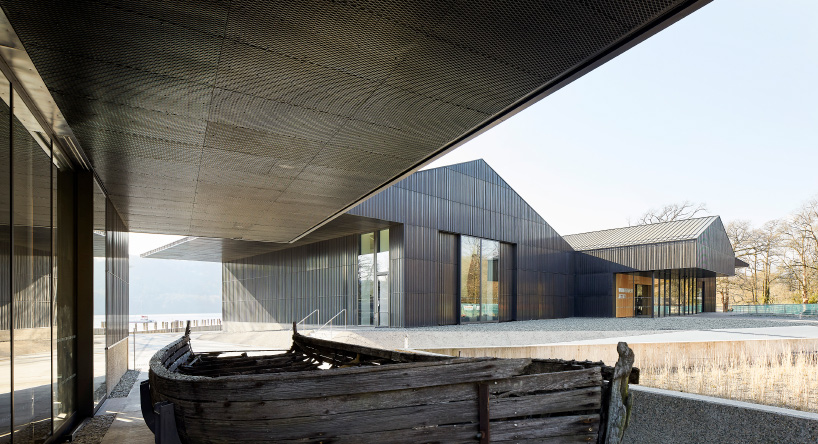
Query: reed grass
773	376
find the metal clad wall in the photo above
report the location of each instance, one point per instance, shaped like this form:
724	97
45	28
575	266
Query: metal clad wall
447	277
285	286
116	276
508	280
471	199
714	251
396	276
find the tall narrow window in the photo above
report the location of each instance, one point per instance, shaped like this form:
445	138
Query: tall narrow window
373	279
5	261
31	277
100	321
479	279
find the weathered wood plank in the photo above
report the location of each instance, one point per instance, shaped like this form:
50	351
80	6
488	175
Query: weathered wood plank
330	425
537	428
392	355
288	408
173	351
449	434
589	398
339	381
568	439
548	382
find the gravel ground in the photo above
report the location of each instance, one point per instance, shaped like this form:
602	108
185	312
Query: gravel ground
123	388
544	331
94	429
696	322
548	331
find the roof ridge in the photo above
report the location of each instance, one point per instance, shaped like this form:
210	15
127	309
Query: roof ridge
642	225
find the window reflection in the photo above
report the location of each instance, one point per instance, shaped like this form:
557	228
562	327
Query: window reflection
64	338
31	286
373	279
5	260
479	279
100	323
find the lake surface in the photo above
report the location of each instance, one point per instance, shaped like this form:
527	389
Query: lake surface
99	319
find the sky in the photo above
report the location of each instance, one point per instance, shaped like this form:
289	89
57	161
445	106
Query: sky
720	108
158	286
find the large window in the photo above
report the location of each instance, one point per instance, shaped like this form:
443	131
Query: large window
479	279
37	297
30	277
100	320
373	279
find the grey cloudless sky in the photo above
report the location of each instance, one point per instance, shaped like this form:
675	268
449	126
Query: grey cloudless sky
721	108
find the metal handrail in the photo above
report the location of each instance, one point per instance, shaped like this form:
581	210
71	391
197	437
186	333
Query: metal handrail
305	317
344	311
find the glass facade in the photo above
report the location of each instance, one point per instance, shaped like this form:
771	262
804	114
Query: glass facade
373	279
37	330
100	321
479	279
38	279
663	293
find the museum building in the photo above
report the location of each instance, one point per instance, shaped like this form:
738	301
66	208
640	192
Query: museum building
455	245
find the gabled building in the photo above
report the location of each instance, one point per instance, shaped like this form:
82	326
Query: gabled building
457	244
654	270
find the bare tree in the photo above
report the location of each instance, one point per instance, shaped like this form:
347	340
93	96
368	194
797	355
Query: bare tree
743	286
768	244
800	259
671	212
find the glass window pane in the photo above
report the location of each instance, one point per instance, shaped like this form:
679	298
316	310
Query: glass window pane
64	338
489	263
5	261
100	322
382	260
367	243
383	240
31	291
383	301
469	279
366	289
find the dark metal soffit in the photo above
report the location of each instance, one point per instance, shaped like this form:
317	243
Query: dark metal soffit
266	120
225	250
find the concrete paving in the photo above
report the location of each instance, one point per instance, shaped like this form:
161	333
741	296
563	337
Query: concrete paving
735	334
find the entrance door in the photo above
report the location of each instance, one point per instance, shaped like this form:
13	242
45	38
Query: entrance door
643	299
383	301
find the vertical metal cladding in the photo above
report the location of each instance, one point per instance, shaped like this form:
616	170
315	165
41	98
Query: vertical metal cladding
714	251
284	286
396	276
116	276
471	199
448	286
706	252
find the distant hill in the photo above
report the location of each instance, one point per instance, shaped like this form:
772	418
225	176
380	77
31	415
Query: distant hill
168	286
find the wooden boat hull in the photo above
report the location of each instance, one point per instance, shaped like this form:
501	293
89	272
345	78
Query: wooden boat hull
439	399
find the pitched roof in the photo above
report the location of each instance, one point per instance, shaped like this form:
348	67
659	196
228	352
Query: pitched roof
689	229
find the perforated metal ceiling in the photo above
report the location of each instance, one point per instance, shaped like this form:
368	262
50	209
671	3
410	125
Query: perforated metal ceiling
263	120
208	249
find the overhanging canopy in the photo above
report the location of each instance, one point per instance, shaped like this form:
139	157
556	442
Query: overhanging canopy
265	120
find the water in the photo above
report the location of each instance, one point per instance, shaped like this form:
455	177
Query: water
133	318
